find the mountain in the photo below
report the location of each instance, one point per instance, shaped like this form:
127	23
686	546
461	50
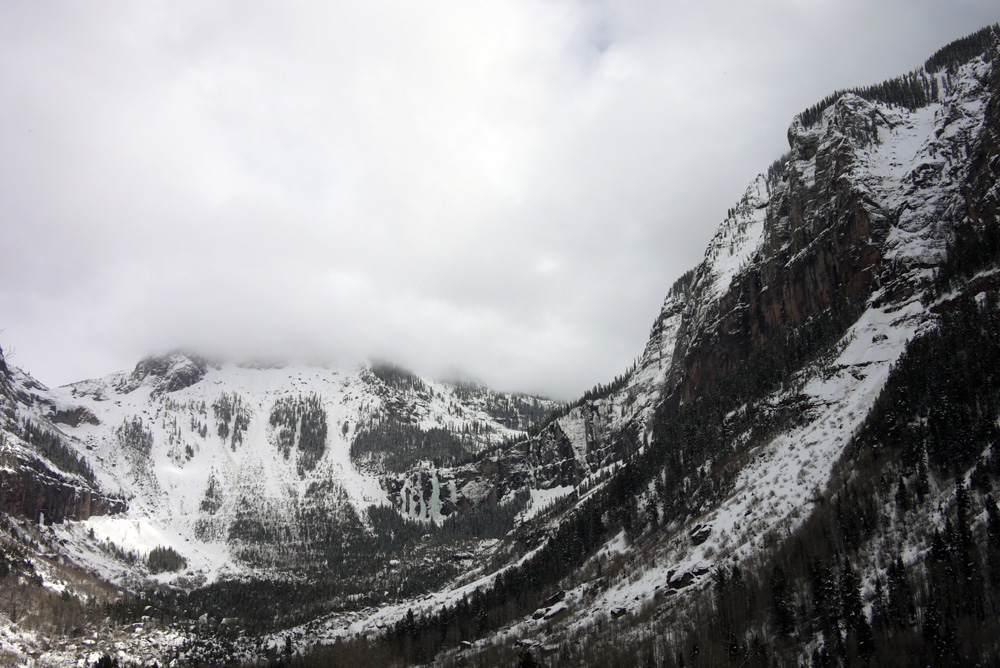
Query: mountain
236	472
799	468
232	458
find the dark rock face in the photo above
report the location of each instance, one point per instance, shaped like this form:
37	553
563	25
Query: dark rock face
551	458
981	196
34	495
681	581
4	374
700	534
74	417
7	411
806	275
821	243
167	373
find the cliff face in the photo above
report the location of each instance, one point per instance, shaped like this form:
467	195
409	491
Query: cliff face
44	498
821	242
236	466
859	211
843	242
166	373
982	198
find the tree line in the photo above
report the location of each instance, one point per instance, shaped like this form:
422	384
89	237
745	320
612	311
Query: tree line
920	87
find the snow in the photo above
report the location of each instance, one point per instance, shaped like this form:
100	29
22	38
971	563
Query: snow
646	383
136	535
542	499
737	239
776	489
166	487
907	179
575	428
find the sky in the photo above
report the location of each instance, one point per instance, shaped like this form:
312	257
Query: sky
501	191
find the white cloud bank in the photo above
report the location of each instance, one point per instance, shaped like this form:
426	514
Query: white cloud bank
505	188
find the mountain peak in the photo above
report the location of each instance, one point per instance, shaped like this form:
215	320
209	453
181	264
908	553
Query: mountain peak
167	373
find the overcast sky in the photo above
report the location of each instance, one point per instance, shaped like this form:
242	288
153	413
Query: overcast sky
504	189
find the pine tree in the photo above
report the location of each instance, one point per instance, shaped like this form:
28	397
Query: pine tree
900	605
782	606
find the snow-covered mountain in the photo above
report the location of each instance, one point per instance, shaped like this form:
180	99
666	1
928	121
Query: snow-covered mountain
239	467
778	480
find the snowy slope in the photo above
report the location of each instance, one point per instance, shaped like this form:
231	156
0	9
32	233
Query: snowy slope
908	174
893	174
215	461
249	470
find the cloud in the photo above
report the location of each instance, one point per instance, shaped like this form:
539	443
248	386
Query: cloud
502	188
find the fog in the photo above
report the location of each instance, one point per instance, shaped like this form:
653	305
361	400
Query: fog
500	190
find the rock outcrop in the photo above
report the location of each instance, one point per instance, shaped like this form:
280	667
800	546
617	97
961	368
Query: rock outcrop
982	198
42	496
167	373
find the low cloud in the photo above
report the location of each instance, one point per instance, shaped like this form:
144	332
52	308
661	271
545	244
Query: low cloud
504	189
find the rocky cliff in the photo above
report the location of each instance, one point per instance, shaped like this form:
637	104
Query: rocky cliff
731	449
731	433
41	496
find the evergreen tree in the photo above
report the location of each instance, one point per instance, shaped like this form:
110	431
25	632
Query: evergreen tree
782	604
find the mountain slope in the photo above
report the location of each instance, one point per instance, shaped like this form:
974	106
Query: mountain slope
239	467
865	200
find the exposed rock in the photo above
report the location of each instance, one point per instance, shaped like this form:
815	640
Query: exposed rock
982	198
557	612
166	373
700	534
821	231
555	598
34	495
74	417
4	376
682	581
